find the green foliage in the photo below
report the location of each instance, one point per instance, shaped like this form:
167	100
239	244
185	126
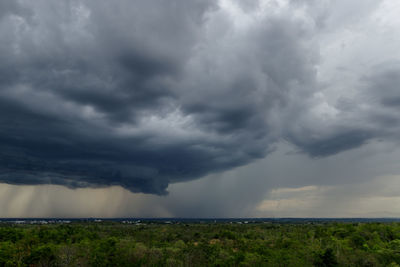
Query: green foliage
264	244
43	255
325	258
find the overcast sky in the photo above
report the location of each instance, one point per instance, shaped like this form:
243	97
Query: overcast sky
200	108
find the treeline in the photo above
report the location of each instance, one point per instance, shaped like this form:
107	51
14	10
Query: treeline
116	244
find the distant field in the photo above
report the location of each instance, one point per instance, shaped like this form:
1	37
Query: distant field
110	243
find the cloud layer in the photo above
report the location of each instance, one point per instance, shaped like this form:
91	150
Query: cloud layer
147	93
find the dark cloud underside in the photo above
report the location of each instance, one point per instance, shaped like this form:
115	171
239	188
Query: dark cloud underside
145	93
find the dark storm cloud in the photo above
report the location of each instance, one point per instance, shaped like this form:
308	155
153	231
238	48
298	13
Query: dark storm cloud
11	7
372	114
334	143
110	61
382	97
145	93
87	89
383	85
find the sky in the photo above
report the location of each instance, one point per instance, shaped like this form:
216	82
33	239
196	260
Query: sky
199	108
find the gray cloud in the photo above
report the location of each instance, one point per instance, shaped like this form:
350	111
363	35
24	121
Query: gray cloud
369	115
147	93
10	7
140	94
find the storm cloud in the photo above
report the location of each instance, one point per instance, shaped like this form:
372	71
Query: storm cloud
143	93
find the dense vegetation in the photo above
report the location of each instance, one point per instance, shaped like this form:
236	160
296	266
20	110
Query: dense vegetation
221	244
